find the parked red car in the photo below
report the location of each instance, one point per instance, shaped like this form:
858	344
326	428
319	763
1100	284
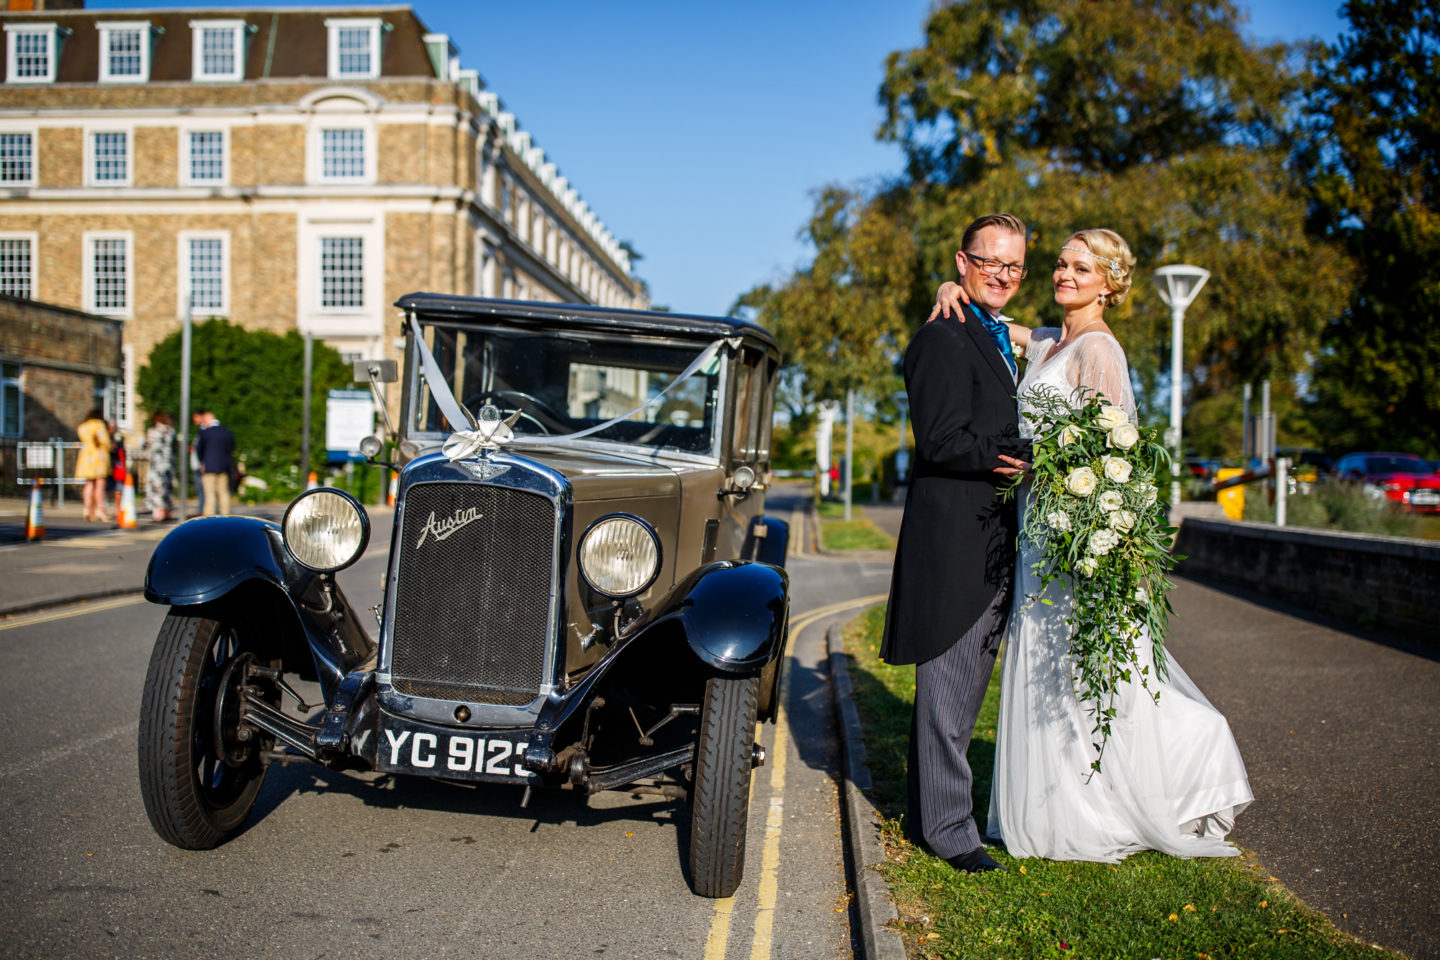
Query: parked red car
1403	478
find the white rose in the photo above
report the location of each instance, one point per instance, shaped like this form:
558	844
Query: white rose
1111	417
1116	468
1102	541
1122	520
1124	436
1150	492
1069	435
1081	481
1058	521
1142	595
1088	566
1111	500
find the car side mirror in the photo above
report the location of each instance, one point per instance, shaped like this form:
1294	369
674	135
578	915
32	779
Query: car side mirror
374	373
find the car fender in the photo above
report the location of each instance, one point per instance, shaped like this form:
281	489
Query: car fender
212	560
734	614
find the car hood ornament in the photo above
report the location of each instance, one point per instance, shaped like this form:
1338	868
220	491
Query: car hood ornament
490	434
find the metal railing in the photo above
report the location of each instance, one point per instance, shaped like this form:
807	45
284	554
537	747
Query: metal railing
52	463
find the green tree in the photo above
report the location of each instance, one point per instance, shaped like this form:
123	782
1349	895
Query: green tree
251	380
1157	118
1375	163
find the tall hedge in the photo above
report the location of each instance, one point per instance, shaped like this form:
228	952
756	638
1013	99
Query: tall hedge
252	380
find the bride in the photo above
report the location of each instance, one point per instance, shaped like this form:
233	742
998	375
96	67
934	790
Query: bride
1172	778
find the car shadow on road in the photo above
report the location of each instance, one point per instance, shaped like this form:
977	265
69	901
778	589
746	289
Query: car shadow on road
385	791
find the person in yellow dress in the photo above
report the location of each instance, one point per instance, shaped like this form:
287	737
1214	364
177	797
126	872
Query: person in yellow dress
93	464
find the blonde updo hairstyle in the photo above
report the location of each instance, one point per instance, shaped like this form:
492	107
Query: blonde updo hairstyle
1113	258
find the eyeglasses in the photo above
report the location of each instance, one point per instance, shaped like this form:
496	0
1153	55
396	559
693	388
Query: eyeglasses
992	268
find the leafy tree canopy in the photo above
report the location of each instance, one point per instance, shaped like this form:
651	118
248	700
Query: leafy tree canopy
252	380
1373	155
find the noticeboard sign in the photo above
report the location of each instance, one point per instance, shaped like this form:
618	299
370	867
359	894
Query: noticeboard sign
349	418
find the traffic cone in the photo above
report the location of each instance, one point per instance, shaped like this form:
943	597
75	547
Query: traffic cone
313	482
394	490
125	519
35	516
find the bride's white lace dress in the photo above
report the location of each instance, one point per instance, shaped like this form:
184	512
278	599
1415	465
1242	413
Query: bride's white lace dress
1171	778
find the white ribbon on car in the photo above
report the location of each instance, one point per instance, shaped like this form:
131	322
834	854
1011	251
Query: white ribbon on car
493	434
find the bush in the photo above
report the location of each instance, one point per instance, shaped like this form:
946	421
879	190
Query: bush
252	380
1335	506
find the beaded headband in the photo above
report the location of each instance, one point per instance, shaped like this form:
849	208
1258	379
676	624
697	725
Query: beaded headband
1114	264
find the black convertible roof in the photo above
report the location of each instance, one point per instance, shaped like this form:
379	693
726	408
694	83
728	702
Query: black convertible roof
437	306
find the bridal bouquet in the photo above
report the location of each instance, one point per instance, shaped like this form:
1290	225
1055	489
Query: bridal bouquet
1095	519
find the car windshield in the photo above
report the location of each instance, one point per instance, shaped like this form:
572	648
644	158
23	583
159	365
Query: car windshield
564	382
1396	465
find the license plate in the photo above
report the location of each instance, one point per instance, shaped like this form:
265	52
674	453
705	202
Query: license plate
432	752
1425	498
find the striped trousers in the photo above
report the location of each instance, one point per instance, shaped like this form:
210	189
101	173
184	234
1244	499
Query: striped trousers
948	692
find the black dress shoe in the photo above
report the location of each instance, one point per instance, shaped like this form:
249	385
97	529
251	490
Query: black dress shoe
976	861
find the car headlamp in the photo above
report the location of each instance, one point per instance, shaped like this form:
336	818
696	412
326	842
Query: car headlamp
619	555
326	529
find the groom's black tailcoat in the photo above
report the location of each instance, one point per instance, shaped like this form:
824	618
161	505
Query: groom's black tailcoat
957	540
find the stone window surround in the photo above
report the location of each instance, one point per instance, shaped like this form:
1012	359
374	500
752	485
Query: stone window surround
363	220
186	178
88	240
34	134
184	276
236	29
333	27
339	108
107	29
90	159
12	32
33	238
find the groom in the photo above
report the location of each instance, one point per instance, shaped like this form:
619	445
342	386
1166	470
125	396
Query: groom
954	566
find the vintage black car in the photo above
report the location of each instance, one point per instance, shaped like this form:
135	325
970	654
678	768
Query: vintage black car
583	590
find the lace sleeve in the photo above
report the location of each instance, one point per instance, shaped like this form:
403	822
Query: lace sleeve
1042	340
1098	362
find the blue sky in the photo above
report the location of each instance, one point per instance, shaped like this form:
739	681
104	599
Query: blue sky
697	131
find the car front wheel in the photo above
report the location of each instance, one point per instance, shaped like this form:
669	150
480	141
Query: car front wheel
720	797
200	765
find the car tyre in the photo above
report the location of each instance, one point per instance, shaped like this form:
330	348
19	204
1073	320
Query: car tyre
199	773
720	797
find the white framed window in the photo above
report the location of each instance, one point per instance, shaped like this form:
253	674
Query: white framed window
30	52
12	400
342	153
217	50
109	272
340	270
124	51
204	157
354	48
204	284
342	274
17	264
17	158
107	158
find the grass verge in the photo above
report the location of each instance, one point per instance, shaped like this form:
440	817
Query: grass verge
859	533
1149	905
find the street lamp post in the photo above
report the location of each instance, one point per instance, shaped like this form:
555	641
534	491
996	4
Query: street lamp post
1178	284
902	456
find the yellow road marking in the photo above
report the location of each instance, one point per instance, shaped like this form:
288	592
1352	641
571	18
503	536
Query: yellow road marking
769	885
74	611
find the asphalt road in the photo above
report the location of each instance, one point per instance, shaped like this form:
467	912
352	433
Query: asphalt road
339	864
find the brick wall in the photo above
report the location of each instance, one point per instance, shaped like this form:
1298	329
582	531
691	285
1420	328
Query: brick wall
61	353
1381	581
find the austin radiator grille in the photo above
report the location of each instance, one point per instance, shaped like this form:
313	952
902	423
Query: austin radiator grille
472	601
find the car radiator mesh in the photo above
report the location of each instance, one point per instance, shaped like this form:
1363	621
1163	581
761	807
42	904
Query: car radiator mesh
472	601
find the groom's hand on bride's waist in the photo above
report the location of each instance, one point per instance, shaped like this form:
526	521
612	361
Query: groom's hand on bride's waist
1014	466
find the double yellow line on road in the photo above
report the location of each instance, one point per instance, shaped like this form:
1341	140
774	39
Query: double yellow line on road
768	888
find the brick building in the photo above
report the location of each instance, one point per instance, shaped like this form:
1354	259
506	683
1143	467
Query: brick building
285	168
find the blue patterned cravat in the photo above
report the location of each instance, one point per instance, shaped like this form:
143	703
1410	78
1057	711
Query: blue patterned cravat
1001	335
